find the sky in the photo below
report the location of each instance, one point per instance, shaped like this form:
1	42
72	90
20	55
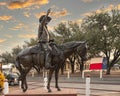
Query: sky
19	18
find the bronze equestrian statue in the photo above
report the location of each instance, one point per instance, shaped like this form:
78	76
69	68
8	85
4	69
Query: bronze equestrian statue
26	62
45	54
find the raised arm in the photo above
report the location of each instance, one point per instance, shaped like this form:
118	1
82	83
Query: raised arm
45	18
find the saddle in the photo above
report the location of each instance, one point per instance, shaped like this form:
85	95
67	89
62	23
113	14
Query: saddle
29	51
37	49
55	50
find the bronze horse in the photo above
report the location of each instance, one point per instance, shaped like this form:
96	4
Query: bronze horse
25	63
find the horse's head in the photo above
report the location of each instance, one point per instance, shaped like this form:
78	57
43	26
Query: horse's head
73	44
82	51
70	47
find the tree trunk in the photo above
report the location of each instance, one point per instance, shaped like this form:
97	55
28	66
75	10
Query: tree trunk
72	67
81	67
108	70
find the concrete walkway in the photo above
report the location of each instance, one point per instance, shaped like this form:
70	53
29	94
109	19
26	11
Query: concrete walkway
109	85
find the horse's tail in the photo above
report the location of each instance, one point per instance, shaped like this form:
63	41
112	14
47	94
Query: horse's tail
18	66
17	63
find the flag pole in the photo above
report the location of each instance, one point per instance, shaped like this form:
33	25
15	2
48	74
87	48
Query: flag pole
101	74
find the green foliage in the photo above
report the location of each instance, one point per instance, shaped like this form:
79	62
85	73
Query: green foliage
16	50
6	58
9	57
33	41
68	32
103	34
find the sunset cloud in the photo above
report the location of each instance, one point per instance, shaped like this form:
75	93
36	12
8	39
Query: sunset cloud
108	9
8	36
87	14
26	14
98	11
25	3
79	21
27	36
50	28
3	3
118	6
2	40
18	27
5	18
56	14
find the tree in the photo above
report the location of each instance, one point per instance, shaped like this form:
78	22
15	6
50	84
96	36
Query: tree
33	41
103	35
69	32
7	57
15	52
62	32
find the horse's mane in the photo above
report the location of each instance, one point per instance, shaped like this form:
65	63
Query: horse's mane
68	44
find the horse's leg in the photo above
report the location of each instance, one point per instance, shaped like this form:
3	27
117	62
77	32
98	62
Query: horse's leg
38	69
22	81
56	80
25	85
49	79
23	78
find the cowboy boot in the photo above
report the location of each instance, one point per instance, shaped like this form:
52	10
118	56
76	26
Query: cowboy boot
48	61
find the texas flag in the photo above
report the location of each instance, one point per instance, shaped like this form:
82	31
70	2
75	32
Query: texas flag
96	63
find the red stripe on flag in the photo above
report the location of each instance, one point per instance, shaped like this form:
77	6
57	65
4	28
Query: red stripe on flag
95	66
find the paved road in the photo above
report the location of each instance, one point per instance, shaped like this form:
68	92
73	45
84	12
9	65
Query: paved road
109	85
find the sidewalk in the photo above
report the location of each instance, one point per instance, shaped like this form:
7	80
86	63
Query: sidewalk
109	85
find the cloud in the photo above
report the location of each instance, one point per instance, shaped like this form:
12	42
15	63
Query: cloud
108	9
2	3
119	7
50	28
18	27
56	14
8	36
87	14
38	15
98	11
64	12
27	36
26	14
5	18
79	21
87	1
25	3
2	40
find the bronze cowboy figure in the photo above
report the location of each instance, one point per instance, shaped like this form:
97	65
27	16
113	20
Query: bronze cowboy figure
44	38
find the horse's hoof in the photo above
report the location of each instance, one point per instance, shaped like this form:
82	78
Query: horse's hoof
24	90
59	89
49	90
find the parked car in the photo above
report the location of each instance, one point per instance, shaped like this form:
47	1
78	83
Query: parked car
13	78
